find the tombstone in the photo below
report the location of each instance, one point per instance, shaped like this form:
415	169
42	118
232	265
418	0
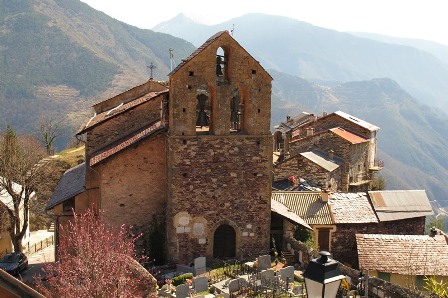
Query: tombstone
222	295
267	276
200	284
287	274
234	285
165	291
183	291
264	262
199	265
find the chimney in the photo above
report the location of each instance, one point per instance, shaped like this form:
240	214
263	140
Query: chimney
288	118
331	154
325	194
309	131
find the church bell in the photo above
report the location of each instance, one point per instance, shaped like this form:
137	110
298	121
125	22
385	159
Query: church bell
202	119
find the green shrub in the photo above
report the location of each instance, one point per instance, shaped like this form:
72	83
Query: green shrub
178	280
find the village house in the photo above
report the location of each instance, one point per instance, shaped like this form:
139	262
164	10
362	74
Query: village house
336	152
336	218
404	260
191	162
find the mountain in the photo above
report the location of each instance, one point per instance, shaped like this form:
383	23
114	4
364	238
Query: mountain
322	55
436	49
58	57
412	140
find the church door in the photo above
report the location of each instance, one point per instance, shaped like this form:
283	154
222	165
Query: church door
224	242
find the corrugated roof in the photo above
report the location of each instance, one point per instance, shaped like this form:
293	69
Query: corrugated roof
282	210
316	158
125	142
400	204
348	136
351	208
403	254
99	118
358	121
308	205
72	183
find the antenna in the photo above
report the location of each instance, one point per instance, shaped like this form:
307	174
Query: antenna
151	67
172	62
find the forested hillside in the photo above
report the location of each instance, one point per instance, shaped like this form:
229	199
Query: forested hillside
57	58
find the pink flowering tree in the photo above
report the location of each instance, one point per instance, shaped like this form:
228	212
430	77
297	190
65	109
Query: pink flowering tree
95	260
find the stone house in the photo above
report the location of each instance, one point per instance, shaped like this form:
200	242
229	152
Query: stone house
191	162
337	218
341	138
404	260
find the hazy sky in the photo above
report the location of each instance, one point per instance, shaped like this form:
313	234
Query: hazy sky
423	19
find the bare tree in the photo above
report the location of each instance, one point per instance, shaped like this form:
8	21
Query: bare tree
19	173
49	130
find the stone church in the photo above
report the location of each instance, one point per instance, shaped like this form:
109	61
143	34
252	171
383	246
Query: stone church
191	159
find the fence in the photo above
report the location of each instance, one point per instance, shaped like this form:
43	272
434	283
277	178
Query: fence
35	247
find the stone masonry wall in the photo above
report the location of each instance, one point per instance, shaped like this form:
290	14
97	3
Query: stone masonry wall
219	176
214	181
123	124
332	121
343	245
134	185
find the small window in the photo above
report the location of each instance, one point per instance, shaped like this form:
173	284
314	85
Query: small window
384	276
68	205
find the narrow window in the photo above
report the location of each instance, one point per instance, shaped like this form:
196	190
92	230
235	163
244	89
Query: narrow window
203	111
220	63
236	114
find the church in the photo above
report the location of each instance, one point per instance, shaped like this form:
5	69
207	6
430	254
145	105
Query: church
186	163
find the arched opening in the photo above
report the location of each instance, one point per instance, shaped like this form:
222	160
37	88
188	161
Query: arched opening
203	110
236	111
221	63
224	242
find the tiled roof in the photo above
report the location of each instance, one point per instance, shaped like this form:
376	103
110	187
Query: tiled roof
99	118
348	136
308	205
355	120
351	208
400	204
319	159
125	142
72	183
403	254
282	210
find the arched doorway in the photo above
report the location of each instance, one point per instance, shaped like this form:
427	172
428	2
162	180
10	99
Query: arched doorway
224	242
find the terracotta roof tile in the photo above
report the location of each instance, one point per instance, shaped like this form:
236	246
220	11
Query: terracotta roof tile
351	208
349	136
124	143
403	254
99	118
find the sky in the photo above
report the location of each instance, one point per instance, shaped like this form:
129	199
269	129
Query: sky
421	19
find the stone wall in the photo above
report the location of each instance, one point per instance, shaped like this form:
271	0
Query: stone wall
214	181
219	176
343	240
123	124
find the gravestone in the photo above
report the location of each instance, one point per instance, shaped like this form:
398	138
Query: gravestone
264	262
222	295
234	285
199	265
287	274
200	284
267	276
183	291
